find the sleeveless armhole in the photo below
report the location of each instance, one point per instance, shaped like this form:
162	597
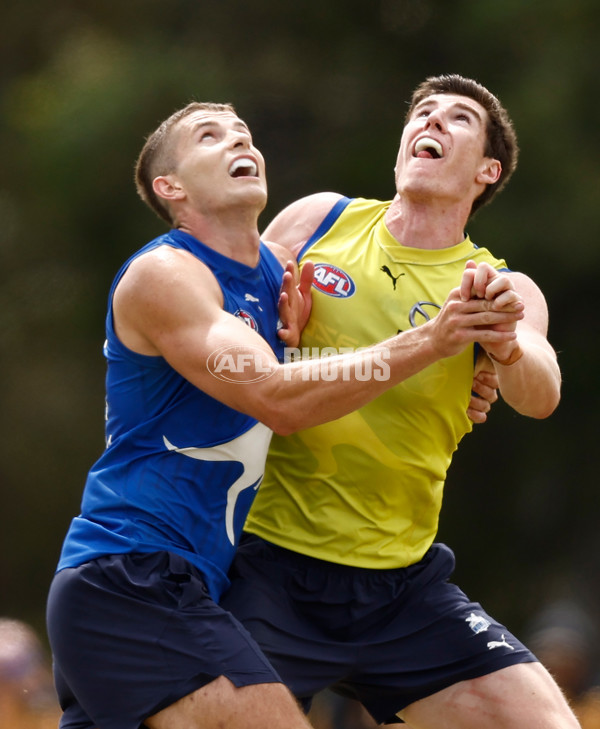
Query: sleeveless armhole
325	224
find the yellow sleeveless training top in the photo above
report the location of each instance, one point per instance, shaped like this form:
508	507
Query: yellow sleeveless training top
366	489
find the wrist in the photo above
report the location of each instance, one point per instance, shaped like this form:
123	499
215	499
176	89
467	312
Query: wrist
513	357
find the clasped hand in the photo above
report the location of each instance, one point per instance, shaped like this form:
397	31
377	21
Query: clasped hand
295	302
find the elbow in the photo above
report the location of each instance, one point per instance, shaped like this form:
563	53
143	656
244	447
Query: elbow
538	395
540	414
545	409
539	407
280	419
283	412
285	429
281	426
548	402
286	421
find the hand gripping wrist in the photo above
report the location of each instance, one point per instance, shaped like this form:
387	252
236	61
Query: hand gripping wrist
514	356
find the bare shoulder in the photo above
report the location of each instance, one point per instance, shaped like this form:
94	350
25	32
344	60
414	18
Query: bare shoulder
157	291
294	225
161	271
525	284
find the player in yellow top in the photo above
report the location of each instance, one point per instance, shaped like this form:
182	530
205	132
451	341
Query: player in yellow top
332	492
339	578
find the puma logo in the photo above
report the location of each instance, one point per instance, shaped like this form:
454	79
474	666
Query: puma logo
387	271
499	643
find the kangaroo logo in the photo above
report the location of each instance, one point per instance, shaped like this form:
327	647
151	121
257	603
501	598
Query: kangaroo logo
249	449
387	271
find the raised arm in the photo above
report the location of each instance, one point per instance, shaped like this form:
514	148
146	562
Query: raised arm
168	303
527	368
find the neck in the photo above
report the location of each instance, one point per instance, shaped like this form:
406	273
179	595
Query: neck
430	225
234	236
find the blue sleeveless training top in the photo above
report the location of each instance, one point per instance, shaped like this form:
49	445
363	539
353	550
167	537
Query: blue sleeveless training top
180	469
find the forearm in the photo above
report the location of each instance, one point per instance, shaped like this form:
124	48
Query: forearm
530	384
229	361
528	373
306	393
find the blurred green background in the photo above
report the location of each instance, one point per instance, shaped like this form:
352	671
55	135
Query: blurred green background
323	86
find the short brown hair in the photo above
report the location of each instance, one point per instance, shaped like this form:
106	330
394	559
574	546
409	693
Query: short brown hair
501	137
158	155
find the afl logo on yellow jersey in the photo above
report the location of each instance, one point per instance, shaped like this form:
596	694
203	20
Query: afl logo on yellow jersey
332	281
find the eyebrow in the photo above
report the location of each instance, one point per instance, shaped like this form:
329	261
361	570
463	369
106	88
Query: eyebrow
458	104
211	122
468	107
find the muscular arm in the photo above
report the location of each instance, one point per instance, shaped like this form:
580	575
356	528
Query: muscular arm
168	303
530	381
532	384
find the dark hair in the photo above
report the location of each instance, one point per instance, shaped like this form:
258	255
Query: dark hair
501	141
158	155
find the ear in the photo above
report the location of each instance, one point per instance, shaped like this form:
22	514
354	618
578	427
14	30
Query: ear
168	187
490	171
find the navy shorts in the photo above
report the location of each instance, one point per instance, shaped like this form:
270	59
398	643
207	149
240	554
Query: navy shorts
384	637
131	634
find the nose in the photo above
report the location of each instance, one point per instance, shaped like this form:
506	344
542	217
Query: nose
239	139
436	120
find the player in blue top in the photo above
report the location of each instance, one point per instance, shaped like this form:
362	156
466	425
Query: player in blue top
195	388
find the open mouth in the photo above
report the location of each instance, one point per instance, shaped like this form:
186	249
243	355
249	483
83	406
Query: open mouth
427	148
243	167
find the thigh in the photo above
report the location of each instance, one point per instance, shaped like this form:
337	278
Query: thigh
435	638
132	634
523	695
278	598
75	717
222	704
384	637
